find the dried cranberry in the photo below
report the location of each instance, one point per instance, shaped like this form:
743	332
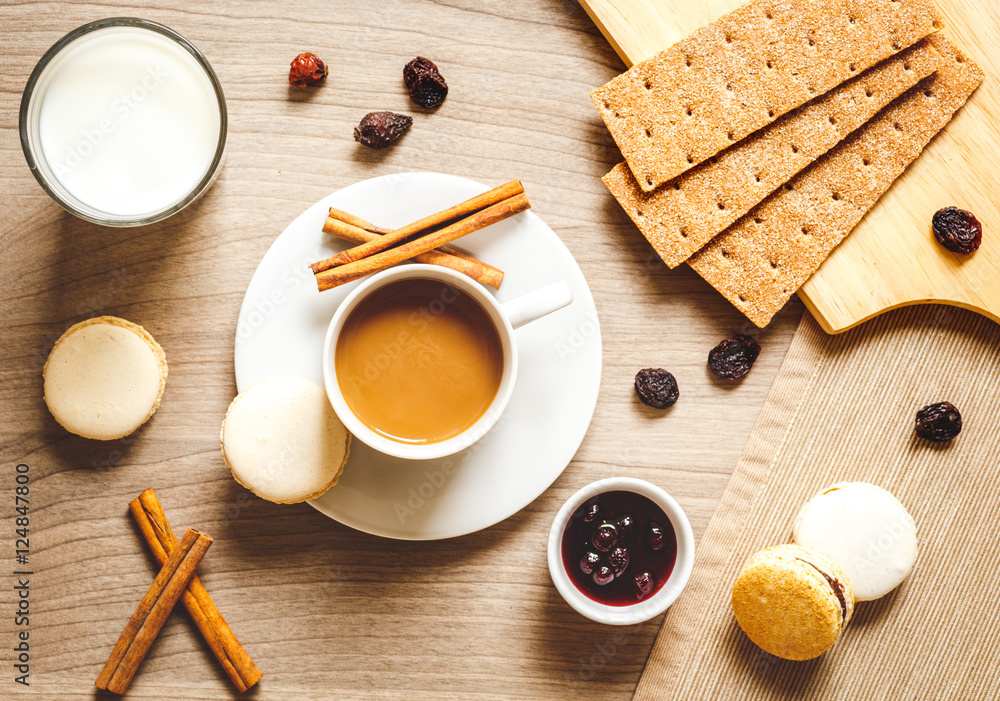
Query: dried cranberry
625	526
589	562
619	559
380	129
657	538
957	230
605	537
644	585
733	358
425	83
603	576
939	422
307	69
590	512
656	387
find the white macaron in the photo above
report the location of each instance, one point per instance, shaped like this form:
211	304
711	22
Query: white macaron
283	441
865	530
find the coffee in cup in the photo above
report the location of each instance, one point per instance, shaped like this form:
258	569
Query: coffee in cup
420	390
419	361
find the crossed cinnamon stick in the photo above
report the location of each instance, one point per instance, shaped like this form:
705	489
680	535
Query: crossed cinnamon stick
175	582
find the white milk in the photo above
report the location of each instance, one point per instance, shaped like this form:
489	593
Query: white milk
129	120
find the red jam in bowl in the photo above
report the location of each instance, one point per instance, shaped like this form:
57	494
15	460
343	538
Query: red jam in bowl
619	548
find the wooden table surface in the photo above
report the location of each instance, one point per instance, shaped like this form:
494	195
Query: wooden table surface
325	611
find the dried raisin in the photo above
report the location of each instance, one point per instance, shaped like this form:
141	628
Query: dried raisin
957	230
425	83
380	129
733	358
939	422
307	69
657	388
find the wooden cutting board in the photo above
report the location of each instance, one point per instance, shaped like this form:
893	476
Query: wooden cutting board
891	259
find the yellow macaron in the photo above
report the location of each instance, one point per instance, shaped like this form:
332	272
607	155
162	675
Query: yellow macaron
792	602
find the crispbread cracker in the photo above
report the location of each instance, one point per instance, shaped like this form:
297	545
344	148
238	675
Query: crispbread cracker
684	215
737	75
761	260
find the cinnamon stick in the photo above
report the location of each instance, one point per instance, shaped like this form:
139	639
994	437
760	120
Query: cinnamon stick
333	277
152	612
152	522
358	230
447	216
348	218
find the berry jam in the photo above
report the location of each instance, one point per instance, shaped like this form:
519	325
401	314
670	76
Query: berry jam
619	548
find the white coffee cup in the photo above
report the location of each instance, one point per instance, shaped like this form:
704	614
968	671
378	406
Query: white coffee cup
505	317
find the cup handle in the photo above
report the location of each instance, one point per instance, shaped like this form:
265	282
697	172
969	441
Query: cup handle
537	304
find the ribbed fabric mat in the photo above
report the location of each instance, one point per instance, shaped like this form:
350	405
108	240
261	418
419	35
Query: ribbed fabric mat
843	408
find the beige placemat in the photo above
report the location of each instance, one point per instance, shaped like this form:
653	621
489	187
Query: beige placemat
843	408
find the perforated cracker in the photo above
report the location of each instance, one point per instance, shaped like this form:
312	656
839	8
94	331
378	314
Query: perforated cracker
685	214
761	260
737	75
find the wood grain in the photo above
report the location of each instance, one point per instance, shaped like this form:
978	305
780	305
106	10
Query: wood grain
890	259
638	29
324	611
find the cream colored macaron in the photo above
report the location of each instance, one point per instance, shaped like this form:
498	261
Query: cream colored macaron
792	602
282	440
865	530
104	378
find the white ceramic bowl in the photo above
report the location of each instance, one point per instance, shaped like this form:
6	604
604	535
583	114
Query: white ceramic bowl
642	610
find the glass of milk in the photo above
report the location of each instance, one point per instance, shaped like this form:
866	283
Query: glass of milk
123	122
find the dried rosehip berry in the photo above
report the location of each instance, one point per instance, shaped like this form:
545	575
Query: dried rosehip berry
939	422
424	82
307	69
656	387
733	358
380	129
957	230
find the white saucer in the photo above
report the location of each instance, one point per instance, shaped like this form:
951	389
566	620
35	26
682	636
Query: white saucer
280	332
